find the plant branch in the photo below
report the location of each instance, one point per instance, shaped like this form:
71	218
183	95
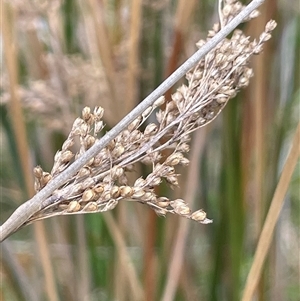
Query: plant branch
26	210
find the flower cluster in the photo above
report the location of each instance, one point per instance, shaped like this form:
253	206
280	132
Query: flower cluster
104	181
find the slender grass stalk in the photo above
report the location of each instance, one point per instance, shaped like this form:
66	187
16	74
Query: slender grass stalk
20	281
23	149
267	233
133	62
134	283
105	49
84	281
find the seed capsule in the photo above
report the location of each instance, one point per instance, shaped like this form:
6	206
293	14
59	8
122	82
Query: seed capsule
90	207
151	129
160	101
115	192
73	206
126	191
88	195
199	215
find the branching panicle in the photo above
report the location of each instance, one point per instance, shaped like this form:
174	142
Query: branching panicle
103	182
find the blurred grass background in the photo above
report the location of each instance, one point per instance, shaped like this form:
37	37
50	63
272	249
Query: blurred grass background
59	56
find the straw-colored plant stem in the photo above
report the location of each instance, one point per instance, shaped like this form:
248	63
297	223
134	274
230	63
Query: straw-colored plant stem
18	123
133	61
261	118
183	18
105	51
126	263
84	273
267	233
18	279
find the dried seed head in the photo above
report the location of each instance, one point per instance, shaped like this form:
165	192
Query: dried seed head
174	159
38	172
148	196
135	124
172	180
84	129
183	147
177	96
221	99
89	141
254	14
180	207
98	112
171	105
159	102
111	205
98	189
198	215
90	207
270	26
98	126
46	178
111	145
150	129
66	156
86	115
68	144
73	206
83	172
153	180
106	195
78	123
88	195
116	172
118	151
163	202
214	80
147	112
140	182
161	212
126	191
115	192
137	193
135	136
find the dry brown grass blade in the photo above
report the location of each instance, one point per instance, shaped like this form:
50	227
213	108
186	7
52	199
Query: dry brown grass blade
265	238
9	259
35	56
182	20
84	271
22	146
127	265
15	108
105	50
184	12
177	257
133	59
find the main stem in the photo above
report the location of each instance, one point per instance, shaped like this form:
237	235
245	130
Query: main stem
30	207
